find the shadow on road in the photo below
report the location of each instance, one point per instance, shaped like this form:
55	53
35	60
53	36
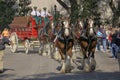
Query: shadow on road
23	52
8	69
8	76
74	76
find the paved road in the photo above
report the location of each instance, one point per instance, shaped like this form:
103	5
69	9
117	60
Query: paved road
20	66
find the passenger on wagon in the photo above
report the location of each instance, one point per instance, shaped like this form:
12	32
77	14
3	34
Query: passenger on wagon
40	17
35	13
45	15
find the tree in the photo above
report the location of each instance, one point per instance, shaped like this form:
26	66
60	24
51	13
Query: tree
23	7
81	8
6	12
64	6
72	10
116	12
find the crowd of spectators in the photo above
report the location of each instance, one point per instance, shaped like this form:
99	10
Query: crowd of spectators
109	39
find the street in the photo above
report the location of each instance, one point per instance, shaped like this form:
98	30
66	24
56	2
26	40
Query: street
21	66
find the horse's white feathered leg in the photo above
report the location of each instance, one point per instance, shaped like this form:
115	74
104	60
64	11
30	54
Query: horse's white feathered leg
63	67
68	64
57	54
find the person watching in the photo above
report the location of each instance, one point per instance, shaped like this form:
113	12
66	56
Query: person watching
45	15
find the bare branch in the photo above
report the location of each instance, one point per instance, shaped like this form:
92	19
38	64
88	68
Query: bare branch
64	5
112	6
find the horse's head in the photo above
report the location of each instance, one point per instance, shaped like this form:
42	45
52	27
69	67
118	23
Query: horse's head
90	27
66	27
79	24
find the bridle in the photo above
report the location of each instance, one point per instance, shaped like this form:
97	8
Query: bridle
90	27
66	27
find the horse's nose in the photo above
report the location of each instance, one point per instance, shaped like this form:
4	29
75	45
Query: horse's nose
91	31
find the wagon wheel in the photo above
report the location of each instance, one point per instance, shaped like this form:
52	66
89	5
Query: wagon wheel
27	45
14	40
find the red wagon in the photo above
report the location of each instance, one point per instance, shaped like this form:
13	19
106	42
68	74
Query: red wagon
25	32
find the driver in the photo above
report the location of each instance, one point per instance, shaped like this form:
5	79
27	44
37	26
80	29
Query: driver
35	13
45	15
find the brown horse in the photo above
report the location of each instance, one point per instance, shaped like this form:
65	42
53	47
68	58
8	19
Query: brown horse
88	43
77	29
64	43
45	40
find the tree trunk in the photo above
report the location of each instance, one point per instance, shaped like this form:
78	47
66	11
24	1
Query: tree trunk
73	11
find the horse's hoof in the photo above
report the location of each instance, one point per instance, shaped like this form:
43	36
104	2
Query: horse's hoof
44	54
39	53
86	66
68	71
82	65
93	67
92	64
62	71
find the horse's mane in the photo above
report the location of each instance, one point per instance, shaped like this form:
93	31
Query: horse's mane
85	23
